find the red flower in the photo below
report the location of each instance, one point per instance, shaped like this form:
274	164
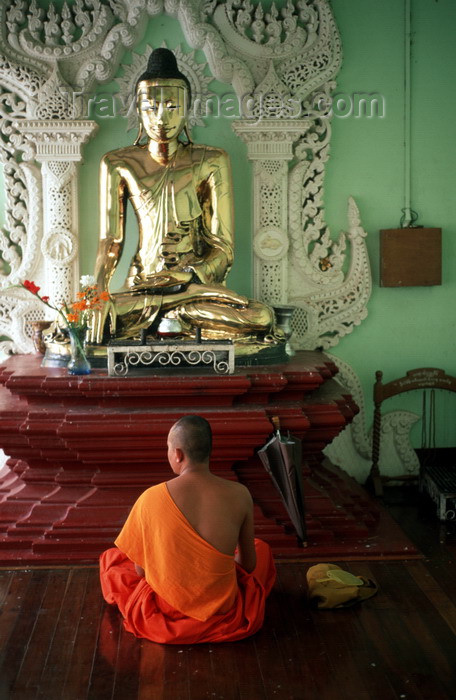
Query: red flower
31	286
74	314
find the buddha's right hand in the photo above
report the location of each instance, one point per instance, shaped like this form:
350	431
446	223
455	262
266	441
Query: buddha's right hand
96	322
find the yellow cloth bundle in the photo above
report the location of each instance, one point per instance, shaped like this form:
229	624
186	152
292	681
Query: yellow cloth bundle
332	587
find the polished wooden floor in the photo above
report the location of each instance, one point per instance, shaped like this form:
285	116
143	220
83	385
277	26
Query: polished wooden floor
59	640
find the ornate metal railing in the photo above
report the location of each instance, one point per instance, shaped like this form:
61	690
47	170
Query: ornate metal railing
217	357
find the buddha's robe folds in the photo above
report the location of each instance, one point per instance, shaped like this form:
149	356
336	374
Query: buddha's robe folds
191	592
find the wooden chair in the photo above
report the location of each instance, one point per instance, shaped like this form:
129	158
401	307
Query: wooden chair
422	378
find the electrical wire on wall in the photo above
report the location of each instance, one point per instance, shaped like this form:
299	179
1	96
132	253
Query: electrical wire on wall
409	216
428	424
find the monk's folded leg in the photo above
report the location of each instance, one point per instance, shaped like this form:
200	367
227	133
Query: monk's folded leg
118	577
265	571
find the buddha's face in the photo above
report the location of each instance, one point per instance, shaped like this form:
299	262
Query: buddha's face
162	109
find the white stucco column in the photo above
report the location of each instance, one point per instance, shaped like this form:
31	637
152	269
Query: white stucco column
58	147
270	148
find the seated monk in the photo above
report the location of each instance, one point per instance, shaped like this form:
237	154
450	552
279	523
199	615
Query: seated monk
181	194
186	567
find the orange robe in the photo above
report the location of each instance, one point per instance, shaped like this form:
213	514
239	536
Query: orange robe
191	592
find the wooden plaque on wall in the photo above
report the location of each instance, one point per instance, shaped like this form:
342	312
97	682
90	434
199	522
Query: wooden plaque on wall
410	257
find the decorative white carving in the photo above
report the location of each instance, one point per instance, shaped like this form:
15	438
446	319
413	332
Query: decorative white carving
53	99
301	40
270	147
293	56
18	77
279	63
273	28
59	147
396	453
270	139
270	244
330	304
352	448
57	140
17	310
59	247
50	227
52	34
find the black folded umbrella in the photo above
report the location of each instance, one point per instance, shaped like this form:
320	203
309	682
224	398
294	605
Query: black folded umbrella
281	457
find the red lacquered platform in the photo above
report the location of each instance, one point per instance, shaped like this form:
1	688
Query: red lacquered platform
81	450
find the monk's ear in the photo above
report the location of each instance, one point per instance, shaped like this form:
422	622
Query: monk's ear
179	455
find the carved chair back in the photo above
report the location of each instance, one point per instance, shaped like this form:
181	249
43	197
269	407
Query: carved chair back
421	378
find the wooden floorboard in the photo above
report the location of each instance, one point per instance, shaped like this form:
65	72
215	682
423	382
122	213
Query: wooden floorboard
60	641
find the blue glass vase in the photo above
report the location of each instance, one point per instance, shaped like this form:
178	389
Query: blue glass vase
78	363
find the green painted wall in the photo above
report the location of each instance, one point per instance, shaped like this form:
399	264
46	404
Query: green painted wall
408	327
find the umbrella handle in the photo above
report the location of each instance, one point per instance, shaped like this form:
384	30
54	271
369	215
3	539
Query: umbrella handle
275	420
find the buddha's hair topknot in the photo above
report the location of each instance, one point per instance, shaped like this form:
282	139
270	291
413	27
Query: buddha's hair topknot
162	64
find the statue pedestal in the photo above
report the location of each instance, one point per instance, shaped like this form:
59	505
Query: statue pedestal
81	449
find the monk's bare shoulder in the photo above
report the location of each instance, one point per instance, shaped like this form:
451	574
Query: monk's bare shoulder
242	490
239	492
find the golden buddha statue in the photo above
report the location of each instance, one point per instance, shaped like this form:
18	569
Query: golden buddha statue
181	194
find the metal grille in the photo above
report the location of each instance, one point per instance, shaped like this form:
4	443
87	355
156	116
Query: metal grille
443	476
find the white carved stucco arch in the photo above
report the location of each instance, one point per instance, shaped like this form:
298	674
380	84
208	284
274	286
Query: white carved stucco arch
293	53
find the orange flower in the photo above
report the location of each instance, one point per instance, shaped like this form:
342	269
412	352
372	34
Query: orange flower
74	313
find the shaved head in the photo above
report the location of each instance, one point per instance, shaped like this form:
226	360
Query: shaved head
193	435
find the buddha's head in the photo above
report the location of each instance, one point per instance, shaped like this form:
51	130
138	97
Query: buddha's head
162	97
